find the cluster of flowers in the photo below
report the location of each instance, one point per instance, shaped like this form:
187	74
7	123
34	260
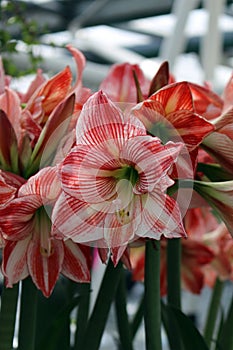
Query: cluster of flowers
136	160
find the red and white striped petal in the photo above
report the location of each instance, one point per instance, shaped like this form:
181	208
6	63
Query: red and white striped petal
16	218
191	127
45	268
220	147
9	184
121	223
45	184
14	261
101	121
174	97
151	159
206	102
160	216
86	174
77	262
80	221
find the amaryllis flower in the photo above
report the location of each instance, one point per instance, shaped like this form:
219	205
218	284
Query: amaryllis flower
114	182
53	91
221	244
29	248
120	85
169	114
198	221
219	111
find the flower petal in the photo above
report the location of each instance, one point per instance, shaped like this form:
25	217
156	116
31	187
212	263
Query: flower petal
44	184
77	262
151	159
85	173
119	84
174	97
9	184
101	121
44	269
77	220
160	216
14	263
15	218
220	147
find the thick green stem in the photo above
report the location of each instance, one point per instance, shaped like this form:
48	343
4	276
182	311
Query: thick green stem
9	300
97	321
213	312
82	313
152	296
122	315
226	335
137	320
28	310
174	288
173	272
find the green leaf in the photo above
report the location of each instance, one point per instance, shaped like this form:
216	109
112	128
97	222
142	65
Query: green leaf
214	172
53	321
225	339
9	298
191	337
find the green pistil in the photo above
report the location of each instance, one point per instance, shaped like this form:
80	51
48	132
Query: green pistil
128	173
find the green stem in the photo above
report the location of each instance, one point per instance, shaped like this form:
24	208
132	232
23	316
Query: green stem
173	272
9	300
97	321
226	335
122	315
28	310
174	288
152	315
82	313
213	312
137	320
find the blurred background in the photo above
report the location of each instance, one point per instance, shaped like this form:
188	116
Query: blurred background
196	37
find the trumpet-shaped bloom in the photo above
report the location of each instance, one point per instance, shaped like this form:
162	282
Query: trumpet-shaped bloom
120	85
29	248
114	182
169	114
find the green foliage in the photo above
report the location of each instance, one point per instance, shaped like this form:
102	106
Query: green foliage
15	28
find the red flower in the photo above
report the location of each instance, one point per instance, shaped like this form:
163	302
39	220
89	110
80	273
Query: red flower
29	248
114	182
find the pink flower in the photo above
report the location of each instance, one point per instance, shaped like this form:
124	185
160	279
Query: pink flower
29	248
114	182
120	85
